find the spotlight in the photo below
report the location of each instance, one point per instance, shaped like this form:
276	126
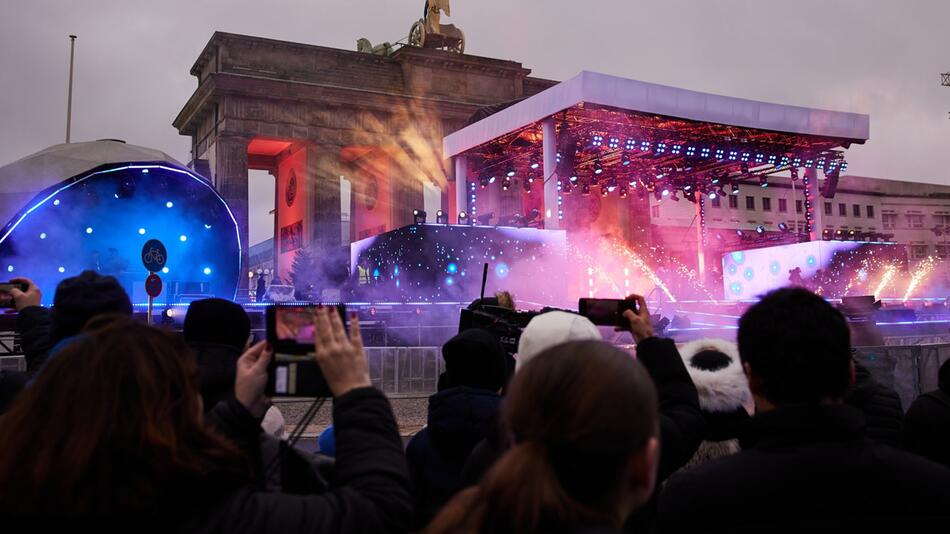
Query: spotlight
625	160
585	190
441	217
168	316
43	235
826	234
61	269
534	162
666	192
511	171
56	202
183	238
491	179
794	173
760	229
483	182
206	270
164	270
735	189
573	178
89	229
169	204
418	217
604	191
740	233
598	169
782	227
763	182
506	184
141	231
623	192
712	195
839	235
464	218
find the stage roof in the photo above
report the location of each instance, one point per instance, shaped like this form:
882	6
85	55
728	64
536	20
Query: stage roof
589	89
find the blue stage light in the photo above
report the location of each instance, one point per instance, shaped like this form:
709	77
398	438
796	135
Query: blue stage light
183	238
9	268
43	235
141	231
206	270
169	204
207	227
165	270
62	269
89	229
56	202
452	268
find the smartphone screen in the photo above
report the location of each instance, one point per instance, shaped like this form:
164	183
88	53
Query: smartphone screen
290	327
605	312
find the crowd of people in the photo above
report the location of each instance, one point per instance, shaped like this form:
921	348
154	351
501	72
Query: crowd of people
119	425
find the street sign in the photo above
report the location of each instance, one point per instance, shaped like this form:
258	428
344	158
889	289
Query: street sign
153	285
154	255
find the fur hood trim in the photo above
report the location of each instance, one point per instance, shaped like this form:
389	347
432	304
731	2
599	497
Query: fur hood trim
723	390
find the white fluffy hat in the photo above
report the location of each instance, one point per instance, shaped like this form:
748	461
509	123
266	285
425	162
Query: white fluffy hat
720	380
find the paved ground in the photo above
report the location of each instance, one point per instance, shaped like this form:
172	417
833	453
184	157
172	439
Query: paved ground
410	414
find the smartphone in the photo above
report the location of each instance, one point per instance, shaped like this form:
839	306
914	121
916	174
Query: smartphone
294	371
606	312
6	299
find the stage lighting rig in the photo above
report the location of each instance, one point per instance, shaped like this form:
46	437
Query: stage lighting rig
763	182
585	190
419	216
735	189
598	168
782	227
506	184
760	230
441	217
534	162
511	171
794	173
464	218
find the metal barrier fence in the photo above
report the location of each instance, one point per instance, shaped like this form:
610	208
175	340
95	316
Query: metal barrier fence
405	371
910	370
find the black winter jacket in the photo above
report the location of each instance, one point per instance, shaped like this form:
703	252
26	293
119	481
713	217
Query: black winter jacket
33	324
808	468
458	419
370	487
880	404
927	425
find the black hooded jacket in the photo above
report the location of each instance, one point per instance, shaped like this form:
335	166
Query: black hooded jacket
459	418
927	424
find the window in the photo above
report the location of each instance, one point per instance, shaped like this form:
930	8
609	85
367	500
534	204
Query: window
782	205
798	206
915	220
856	210
889	221
842	210
942	220
943	252
716	202
750	203
827	208
766	204
918	252
655	212
870	212
733	202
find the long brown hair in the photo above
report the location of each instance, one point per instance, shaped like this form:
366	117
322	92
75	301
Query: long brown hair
577	413
112	426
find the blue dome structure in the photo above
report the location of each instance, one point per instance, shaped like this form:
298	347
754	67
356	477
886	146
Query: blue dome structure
99	219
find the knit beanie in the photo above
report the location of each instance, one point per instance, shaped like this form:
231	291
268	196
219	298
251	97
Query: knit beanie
217	321
474	358
80	298
551	329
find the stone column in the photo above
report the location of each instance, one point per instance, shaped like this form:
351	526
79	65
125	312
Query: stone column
230	179
549	144
461	187
813	205
323	219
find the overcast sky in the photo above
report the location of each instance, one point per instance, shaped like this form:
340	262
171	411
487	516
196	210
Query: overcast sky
880	57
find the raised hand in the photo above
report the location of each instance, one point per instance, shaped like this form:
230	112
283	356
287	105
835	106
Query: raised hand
639	321
24	299
251	381
340	358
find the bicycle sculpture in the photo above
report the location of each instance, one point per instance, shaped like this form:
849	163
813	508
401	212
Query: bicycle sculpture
428	32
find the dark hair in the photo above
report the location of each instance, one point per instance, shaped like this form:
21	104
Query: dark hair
797	345
112	427
577	413
80	298
474	358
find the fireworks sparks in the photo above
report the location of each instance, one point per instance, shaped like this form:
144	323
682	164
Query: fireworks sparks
923	269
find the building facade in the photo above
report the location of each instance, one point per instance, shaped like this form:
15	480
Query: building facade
335	127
